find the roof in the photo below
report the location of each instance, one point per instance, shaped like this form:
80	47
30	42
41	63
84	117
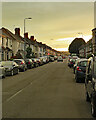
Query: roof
82	59
2	35
10	35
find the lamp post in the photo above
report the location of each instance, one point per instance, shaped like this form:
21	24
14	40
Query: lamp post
24	37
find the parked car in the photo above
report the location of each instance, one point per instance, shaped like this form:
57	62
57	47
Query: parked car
35	62
59	59
47	58
75	65
44	59
64	57
21	63
11	68
80	70
2	71
69	60
39	61
90	84
51	58
72	61
29	63
55	57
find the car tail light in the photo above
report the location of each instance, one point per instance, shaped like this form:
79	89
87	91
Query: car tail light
78	69
21	62
71	62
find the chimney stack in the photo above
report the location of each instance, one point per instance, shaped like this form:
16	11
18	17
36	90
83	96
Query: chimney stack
17	31
26	35
32	38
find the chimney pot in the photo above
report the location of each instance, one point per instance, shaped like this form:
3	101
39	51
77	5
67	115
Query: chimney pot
32	38
17	31
26	35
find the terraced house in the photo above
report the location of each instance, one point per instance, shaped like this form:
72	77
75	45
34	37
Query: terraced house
6	43
12	44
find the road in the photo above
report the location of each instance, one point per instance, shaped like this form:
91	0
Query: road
48	91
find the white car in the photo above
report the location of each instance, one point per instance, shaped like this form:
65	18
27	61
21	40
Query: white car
59	59
44	59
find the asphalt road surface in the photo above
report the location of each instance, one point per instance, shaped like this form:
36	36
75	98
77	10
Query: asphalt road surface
48	91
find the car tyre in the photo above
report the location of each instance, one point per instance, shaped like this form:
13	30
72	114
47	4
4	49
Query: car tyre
24	69
18	71
4	76
12	73
93	108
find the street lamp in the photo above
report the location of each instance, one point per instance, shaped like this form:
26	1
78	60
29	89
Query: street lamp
24	38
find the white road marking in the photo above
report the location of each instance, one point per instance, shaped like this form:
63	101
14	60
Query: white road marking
17	93
14	95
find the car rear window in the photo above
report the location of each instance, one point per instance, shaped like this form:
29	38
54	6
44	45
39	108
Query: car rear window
82	63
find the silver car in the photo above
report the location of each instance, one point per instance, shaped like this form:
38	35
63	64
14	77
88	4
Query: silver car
11	68
2	71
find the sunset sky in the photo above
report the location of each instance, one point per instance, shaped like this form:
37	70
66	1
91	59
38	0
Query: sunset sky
53	23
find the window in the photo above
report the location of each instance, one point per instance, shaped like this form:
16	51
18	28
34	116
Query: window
7	42
2	42
40	49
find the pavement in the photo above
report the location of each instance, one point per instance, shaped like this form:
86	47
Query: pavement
48	91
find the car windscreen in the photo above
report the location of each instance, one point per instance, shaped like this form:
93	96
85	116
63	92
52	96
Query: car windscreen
82	63
17	61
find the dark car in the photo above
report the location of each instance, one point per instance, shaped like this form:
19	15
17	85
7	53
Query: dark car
29	63
21	63
90	84
35	62
75	65
55	57
51	58
80	70
39	61
11	68
71	62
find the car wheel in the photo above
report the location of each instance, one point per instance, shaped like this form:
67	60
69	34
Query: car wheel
4	76
36	65
17	71
24	69
93	108
87	97
12	73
